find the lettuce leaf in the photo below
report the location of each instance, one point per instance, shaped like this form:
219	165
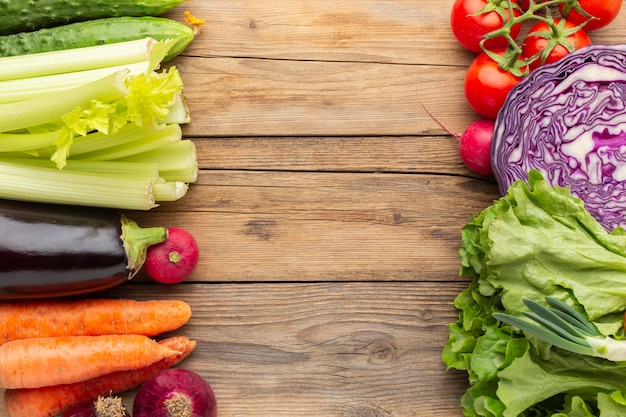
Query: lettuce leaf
534	242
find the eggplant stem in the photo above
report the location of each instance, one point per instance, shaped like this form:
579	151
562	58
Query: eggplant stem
136	241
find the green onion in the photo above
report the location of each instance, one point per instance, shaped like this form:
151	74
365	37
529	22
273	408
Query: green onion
564	327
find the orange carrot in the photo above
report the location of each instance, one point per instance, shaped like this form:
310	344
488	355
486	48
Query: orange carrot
26	319
54	400
38	362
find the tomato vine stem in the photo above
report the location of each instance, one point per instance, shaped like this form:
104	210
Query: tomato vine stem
512	15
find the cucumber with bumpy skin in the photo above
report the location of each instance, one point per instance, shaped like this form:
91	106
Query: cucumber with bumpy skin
28	15
98	32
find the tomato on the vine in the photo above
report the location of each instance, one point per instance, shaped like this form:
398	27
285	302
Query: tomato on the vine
525	4
541	38
487	85
469	27
603	12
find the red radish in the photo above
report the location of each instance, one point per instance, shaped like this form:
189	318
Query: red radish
175	259
102	407
175	392
475	146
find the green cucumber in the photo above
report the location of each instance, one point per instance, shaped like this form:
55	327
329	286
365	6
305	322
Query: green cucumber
28	15
98	32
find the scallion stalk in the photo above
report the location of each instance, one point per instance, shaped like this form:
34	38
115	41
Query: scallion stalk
564	327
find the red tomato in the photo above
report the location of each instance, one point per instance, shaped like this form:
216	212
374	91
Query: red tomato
603	11
535	42
525	4
486	86
469	30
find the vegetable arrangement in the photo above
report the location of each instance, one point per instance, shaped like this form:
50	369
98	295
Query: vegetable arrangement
110	141
105	347
506	54
89	117
538	253
81	250
541	325
52	400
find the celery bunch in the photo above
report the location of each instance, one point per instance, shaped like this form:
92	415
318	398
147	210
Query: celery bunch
96	126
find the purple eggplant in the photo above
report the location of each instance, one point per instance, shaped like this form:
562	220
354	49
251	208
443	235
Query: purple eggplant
51	250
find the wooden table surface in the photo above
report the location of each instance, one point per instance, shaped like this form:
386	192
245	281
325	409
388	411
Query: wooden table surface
328	207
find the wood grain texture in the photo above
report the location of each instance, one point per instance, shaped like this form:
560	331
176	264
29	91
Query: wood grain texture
329	205
389	31
332	349
295	226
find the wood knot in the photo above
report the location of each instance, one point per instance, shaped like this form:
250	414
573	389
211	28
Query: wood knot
380	351
262	229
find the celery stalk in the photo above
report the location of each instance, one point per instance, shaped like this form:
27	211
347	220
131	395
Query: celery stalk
51	185
80	59
94	145
148	140
170	190
24	142
20	89
178	111
127	185
103	130
112	169
177	161
47	108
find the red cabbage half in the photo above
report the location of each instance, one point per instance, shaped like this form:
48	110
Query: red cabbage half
568	121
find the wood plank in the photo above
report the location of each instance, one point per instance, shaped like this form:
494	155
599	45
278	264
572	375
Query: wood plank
334	349
294	226
326	30
252	97
388	31
397	154
294	69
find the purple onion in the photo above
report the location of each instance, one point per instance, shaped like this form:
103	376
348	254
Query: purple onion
175	392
